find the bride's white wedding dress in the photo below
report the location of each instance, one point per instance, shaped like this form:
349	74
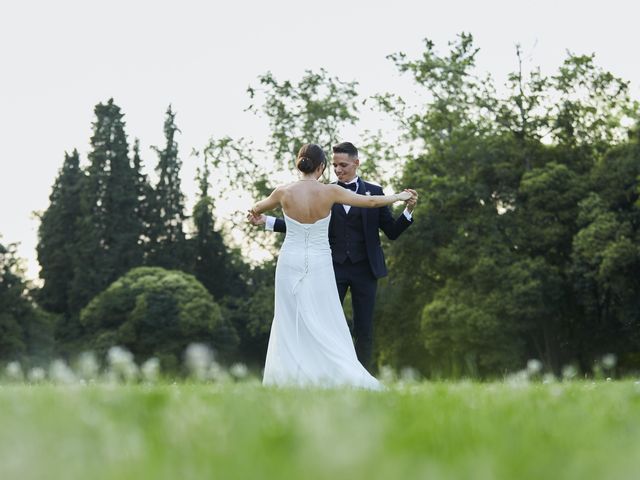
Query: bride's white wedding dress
310	343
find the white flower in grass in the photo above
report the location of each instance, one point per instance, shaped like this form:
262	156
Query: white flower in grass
121	364
110	377
198	358
217	373
14	371
548	378
119	356
409	375
59	372
534	366
518	379
387	374
88	366
151	370
609	361
239	371
569	372
37	375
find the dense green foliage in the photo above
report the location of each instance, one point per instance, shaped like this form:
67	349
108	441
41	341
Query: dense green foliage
527	231
155	312
441	431
106	219
26	331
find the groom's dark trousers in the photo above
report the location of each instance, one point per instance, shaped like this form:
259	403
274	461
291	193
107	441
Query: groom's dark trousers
358	277
358	260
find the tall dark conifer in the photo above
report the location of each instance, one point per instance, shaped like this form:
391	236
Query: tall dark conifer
144	194
167	246
57	236
110	228
212	263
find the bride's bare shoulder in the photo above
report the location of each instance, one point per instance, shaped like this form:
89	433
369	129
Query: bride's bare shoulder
333	187
284	186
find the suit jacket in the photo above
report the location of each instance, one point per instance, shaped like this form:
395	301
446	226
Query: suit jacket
373	220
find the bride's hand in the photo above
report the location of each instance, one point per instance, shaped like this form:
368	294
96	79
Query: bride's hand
404	196
256	219
411	203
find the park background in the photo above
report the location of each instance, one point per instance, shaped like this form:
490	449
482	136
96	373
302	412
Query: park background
137	134
135	301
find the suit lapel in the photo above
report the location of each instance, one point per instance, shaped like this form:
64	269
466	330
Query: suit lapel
362	190
338	209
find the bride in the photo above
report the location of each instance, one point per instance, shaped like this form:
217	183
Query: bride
310	343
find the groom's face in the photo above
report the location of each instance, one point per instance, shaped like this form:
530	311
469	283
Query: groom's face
345	166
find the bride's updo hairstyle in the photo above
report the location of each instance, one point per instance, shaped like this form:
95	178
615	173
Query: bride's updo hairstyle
310	157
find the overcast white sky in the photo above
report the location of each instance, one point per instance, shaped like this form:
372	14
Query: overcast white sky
59	58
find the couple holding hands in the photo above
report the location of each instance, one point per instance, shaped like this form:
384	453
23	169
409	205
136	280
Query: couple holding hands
332	244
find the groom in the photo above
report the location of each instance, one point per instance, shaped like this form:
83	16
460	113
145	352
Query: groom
358	260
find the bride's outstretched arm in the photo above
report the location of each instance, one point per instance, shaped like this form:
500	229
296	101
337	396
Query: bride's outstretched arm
347	197
269	203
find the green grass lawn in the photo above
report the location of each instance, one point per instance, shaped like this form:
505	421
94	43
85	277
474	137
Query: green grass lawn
578	430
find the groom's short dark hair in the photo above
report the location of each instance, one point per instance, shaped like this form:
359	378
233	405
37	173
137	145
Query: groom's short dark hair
346	147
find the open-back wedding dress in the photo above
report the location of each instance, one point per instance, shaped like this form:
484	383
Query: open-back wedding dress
310	343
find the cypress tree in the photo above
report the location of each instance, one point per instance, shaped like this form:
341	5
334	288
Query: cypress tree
144	194
212	264
110	229
57	236
167	243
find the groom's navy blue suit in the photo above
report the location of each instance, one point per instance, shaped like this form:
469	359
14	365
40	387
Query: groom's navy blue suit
358	260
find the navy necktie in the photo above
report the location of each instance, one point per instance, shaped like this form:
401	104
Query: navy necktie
351	186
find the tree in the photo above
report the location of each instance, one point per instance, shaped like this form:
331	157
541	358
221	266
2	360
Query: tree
145	196
592	107
446	132
167	243
26	331
499	267
213	265
456	99
311	111
156	312
235	171
57	237
605	259
109	230
252	314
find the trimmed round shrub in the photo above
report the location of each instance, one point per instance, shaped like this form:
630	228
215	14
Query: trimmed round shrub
155	312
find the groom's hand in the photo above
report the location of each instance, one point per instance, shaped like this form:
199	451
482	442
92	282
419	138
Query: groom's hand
411	203
256	219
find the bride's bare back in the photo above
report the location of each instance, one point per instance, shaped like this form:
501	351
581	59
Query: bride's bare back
306	201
